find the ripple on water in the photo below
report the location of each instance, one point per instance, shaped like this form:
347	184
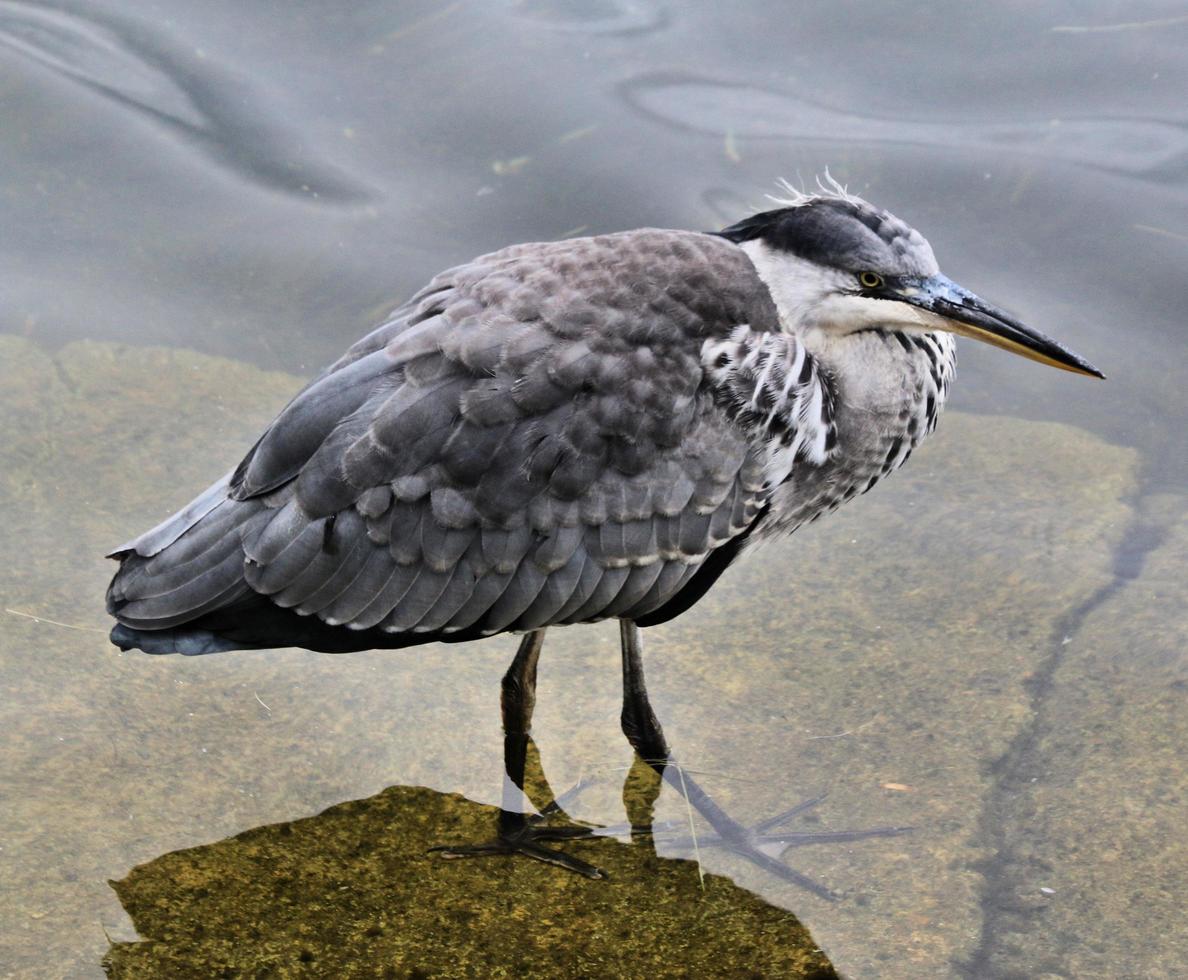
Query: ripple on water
189	96
595	16
1136	146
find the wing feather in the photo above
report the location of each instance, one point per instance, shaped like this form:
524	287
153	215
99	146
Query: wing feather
298	590
559	587
453	597
531	439
591	575
488	588
602	595
667	584
354	551
211	549
416	602
525	585
442	547
363	588
389	593
279	564
639	582
204	592
557	548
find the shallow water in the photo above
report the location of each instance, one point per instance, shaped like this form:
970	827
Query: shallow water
204	204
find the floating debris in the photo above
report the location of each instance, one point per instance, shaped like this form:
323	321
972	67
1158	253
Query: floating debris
506	168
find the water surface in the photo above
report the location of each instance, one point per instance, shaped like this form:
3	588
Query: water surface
202	205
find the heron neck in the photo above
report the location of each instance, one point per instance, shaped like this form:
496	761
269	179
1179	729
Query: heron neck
888	391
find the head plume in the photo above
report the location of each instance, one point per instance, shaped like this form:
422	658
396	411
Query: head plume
838	230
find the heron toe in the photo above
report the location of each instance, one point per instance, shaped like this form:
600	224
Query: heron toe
524	838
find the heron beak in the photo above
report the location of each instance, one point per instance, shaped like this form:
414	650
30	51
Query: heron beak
966	314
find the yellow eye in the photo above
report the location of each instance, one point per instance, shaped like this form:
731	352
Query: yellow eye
870	280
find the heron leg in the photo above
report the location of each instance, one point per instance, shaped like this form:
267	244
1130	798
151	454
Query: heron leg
518	831
517	700
643	731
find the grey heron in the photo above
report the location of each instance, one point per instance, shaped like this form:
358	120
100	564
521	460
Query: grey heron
572	431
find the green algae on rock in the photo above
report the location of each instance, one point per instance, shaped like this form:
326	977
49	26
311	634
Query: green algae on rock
353	893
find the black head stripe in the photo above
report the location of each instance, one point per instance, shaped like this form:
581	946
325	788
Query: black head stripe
834	232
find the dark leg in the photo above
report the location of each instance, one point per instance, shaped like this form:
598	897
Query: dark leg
517	700
518	693
647	738
518	832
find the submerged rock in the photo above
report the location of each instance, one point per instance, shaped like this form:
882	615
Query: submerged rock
907	654
353	893
1093	843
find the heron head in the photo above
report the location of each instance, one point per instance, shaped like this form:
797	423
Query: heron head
836	264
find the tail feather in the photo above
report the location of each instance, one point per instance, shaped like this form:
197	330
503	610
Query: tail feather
254	622
189	566
147	578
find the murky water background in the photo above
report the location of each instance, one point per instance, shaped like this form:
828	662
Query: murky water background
201	204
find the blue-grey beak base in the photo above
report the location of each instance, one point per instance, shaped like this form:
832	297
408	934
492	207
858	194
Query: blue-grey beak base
971	316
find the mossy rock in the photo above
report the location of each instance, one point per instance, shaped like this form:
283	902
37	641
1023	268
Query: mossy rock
353	892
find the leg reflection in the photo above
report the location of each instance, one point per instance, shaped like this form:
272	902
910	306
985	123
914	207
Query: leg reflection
761	844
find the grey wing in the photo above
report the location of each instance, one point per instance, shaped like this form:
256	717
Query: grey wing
532	441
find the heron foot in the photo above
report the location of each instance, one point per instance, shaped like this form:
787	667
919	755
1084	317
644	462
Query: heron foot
524	837
763	844
522	833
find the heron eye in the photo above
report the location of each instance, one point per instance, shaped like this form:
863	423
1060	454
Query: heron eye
870	280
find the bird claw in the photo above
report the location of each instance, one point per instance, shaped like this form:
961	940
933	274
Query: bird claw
524	840
522	833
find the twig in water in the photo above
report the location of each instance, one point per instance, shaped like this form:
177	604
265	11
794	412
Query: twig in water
1166	232
1132	25
852	731
54	622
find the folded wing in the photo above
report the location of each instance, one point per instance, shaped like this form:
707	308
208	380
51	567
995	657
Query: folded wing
531	440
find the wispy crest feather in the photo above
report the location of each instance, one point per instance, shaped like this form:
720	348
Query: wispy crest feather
827	186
